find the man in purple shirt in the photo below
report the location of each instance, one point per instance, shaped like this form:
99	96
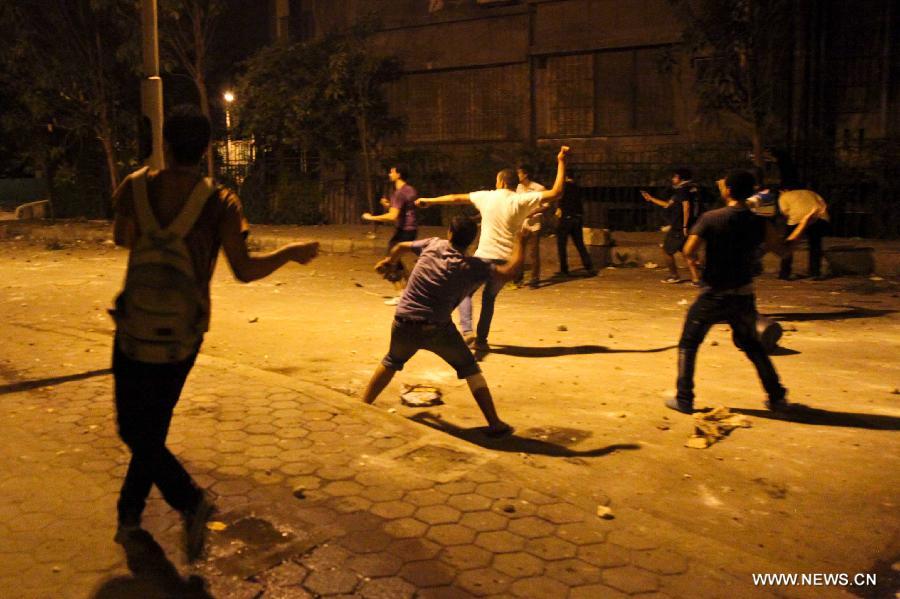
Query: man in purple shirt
443	275
401	210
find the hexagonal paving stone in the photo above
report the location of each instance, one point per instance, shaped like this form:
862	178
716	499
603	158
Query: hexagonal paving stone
484	521
393	509
483	581
550	548
331	582
348	505
498	490
405	528
335	473
631	540
410	550
360	521
381	493
426	497
518	564
459	487
539	588
501	541
530	527
343	488
605	555
326	557
573	572
561	513
366	541
437	514
661	561
387	588
428	573
535	497
469	503
630	580
596	591
581	533
232	487
451	534
466	557
375	565
297	468
450	591
481	476
514	508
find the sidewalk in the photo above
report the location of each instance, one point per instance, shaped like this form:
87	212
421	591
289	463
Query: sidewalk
635	248
318	495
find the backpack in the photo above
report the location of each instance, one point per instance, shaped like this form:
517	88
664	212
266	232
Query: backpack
161	314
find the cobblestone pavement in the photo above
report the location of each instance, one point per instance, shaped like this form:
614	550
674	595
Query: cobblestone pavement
318	495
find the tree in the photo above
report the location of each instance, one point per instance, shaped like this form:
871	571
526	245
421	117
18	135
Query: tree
187	30
70	69
325	95
742	43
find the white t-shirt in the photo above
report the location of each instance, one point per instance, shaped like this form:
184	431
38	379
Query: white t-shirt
533	223
502	214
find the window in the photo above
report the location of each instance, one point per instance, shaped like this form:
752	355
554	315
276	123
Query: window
463	105
565	87
612	92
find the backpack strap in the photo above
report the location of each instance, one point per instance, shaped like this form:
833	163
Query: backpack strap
146	220
192	208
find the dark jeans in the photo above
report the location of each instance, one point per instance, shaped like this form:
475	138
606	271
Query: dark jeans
146	395
739	311
570	226
814	234
443	339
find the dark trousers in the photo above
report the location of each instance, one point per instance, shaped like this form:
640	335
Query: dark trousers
814	234
739	311
570	226
146	395
397	271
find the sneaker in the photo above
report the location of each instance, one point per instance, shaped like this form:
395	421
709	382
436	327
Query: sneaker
534	284
392	302
679	406
469	338
481	345
671	280
195	528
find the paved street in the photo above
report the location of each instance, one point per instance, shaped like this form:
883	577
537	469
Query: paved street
319	495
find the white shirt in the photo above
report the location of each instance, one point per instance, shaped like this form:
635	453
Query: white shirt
502	214
534	222
797	203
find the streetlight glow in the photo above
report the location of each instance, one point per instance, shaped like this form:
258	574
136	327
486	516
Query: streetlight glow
229	97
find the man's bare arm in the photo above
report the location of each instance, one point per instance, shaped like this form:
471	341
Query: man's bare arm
451	199
249	267
773	242
398	250
388	217
657	201
555	192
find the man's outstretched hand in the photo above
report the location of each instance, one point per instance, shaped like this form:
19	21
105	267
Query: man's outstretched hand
304	252
563	153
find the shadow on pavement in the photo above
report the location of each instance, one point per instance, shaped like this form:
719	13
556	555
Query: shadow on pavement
557	279
153	575
552	351
849	313
55	380
783	351
815	416
514	442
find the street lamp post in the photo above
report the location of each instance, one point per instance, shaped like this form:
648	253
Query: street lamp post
229	98
151	85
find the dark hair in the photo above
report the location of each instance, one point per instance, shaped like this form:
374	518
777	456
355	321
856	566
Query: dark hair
740	184
683	172
187	132
401	169
509	178
526	168
462	232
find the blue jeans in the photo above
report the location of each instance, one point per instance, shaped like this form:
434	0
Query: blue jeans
491	290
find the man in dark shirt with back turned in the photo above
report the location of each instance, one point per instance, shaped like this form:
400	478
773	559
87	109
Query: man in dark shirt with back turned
732	235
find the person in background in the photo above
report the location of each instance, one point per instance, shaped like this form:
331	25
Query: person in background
534	223
794	203
401	211
681	208
571	223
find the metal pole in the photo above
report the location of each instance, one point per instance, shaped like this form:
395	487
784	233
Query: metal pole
151	85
